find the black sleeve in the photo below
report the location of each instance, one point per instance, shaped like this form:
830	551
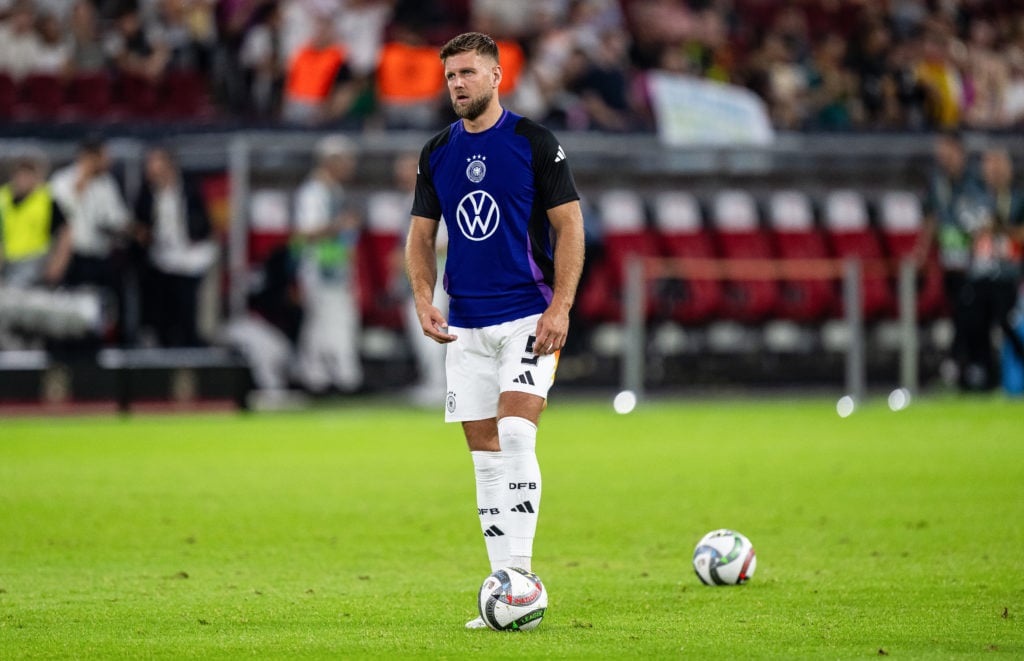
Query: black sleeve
425	202
552	175
197	219
57	219
144	206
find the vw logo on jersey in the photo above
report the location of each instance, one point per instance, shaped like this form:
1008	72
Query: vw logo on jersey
478	215
476	170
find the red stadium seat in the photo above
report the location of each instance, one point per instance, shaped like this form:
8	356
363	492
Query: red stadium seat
41	97
791	219
8	96
740	236
90	95
624	225
682	234
184	95
850	232
139	96
901	217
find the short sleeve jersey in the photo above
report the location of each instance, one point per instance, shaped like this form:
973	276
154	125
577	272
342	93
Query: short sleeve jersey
493	189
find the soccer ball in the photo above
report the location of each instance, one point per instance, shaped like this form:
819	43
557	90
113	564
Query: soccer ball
724	557
512	599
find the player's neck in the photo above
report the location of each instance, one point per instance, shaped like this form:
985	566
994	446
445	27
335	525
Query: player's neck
486	120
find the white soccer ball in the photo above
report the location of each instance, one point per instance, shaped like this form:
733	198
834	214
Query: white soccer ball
724	557
512	599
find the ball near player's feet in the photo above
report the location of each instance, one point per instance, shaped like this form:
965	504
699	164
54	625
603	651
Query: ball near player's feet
512	599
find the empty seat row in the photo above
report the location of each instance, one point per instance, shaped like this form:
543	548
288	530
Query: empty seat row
102	96
731	224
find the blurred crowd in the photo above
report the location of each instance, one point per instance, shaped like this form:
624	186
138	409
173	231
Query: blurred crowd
577	64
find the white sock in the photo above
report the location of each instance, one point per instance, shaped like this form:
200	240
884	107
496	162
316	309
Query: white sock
489	468
518	438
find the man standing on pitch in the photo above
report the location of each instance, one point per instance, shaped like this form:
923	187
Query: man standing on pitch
503	186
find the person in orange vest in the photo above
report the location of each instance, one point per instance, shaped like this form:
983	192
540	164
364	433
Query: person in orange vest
408	87
319	86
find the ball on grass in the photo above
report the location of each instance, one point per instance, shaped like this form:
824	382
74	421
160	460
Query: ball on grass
624	402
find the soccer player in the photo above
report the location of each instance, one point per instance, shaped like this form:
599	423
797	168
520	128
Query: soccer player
503	186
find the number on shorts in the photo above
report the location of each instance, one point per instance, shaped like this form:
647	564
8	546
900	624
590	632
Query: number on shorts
530	358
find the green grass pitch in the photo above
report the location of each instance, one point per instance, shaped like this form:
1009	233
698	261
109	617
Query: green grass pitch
353	533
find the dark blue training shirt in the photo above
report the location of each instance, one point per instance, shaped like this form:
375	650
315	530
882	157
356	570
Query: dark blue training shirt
493	190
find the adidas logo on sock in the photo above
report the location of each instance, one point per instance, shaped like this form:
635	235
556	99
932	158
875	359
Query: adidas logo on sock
525	377
493	531
525	507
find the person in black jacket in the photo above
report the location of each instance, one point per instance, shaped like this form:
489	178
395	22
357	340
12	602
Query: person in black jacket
174	228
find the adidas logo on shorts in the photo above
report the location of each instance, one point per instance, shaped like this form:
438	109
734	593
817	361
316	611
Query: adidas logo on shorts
525	378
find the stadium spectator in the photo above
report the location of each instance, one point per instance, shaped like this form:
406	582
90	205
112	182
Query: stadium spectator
173	226
19	40
542	88
653	23
361	28
938	74
132	50
831	88
776	75
409	83
986	74
86	51
96	213
54	48
433	20
511	20
319	86
867	60
263	60
603	84
185	29
429	355
268	333
994	275
35	241
905	95
953	186
327	229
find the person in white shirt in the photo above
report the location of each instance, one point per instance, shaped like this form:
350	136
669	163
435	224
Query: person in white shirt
95	210
19	42
390	209
173	224
327	231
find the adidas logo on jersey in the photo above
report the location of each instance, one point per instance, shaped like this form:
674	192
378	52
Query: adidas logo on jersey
525	507
525	378
560	156
494	531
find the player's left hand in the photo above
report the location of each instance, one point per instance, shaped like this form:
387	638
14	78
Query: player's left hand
552	329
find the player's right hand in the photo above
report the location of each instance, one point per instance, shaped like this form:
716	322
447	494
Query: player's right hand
435	327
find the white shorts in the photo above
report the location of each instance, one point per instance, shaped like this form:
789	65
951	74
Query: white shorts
485	362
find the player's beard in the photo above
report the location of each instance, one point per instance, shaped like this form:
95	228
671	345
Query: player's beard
475	107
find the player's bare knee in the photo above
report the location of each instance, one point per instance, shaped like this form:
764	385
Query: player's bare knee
482	435
521	405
